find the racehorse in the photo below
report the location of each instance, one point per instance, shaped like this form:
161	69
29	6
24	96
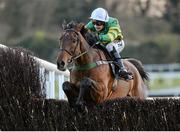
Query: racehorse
91	80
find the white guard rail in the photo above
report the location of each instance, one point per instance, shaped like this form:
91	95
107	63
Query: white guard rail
51	78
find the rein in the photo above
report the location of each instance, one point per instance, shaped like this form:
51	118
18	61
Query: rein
85	52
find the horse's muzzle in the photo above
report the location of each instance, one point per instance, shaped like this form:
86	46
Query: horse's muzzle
61	65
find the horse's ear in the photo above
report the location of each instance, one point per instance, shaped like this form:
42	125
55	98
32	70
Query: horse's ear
64	24
79	26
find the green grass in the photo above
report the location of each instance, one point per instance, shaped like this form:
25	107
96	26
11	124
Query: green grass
57	88
162	83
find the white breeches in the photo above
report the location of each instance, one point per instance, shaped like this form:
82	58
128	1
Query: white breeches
118	45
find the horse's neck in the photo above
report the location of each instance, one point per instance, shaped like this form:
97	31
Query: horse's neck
87	57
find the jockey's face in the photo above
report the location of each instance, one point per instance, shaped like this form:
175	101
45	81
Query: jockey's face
99	28
99	25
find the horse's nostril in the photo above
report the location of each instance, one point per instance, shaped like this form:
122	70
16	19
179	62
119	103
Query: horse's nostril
62	63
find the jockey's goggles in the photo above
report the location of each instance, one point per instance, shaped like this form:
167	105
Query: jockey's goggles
98	23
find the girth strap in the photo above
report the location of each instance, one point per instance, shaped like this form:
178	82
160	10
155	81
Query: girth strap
89	65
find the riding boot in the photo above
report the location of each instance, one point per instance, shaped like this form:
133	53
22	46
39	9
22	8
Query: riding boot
122	72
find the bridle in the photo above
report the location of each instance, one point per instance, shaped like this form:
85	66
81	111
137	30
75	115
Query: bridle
78	42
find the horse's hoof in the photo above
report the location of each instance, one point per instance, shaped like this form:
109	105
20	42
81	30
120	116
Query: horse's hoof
82	110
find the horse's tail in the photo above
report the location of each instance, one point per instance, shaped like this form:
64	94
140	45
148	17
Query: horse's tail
140	68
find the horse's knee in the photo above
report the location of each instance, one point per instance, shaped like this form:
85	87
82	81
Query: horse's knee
66	86
70	92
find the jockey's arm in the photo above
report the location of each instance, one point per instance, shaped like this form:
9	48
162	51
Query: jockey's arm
90	26
112	34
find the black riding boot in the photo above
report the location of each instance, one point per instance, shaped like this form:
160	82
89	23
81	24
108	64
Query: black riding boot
122	72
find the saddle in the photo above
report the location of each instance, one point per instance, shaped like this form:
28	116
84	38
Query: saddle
110	59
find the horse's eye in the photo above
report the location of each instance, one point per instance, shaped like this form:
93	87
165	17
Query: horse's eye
74	41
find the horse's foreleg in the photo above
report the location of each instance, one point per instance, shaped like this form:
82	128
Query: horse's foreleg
84	91
71	92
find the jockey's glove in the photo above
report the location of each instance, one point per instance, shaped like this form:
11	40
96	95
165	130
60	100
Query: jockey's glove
95	37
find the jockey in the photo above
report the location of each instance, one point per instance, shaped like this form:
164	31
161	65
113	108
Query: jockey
109	33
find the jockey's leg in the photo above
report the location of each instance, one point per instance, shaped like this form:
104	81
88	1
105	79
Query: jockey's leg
113	49
71	92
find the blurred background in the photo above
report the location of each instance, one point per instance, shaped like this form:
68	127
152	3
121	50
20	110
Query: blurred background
151	30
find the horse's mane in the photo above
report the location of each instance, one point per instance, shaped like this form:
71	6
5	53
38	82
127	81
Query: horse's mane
69	25
88	36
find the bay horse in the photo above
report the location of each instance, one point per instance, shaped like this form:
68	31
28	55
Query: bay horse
90	81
